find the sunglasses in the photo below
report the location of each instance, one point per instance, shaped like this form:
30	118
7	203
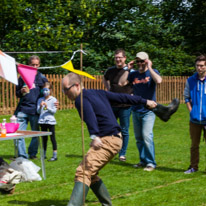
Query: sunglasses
67	89
139	61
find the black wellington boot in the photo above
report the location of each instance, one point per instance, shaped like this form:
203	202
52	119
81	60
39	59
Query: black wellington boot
76	198
165	112
101	192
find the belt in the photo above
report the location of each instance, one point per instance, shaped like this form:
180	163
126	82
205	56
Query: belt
119	135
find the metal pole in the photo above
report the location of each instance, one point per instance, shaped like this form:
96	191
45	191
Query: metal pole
82	126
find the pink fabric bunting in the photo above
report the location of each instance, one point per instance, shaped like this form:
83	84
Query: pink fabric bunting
28	74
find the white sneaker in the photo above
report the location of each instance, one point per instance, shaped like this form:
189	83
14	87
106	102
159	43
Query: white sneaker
122	158
149	168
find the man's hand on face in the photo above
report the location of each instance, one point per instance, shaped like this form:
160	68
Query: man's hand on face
96	143
148	63
131	64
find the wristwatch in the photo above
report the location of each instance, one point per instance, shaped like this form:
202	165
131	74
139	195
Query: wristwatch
93	136
126	68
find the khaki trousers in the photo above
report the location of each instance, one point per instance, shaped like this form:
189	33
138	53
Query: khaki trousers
95	160
195	135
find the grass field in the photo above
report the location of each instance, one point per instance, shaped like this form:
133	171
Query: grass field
167	185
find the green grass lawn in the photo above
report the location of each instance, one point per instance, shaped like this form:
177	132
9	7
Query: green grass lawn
167	185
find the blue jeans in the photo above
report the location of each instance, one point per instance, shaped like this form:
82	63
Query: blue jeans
23	120
123	113
143	130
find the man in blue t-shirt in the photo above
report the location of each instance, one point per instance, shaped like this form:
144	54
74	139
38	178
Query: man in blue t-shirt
144	82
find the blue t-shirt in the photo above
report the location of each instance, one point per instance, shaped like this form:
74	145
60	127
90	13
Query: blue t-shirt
144	86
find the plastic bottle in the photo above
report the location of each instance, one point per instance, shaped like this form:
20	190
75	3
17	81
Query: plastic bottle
13	119
27	89
3	128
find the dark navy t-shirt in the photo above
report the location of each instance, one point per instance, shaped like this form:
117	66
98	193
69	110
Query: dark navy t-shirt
113	75
97	110
144	86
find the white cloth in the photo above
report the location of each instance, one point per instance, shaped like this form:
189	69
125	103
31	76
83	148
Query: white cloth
28	168
9	177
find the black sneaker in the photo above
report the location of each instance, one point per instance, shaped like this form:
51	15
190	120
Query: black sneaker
139	165
33	157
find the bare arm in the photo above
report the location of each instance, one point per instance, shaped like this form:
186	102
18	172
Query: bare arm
156	77
106	84
123	79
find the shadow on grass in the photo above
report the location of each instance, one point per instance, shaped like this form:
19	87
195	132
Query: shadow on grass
44	202
167	169
40	202
124	164
7	156
72	155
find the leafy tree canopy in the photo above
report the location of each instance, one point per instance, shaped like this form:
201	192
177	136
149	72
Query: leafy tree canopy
159	28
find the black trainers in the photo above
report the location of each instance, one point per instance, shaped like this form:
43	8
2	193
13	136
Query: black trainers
139	165
33	157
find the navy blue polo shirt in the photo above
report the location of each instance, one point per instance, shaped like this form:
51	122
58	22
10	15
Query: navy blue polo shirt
97	110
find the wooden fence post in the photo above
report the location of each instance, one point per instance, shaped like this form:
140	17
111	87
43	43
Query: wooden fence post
171	87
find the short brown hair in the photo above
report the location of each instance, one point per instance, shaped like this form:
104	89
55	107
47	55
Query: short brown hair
34	57
48	84
117	51
201	58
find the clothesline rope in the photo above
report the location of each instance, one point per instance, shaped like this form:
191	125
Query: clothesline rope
53	67
35	52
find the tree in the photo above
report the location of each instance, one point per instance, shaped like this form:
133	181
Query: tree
42	26
194	27
101	25
137	26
